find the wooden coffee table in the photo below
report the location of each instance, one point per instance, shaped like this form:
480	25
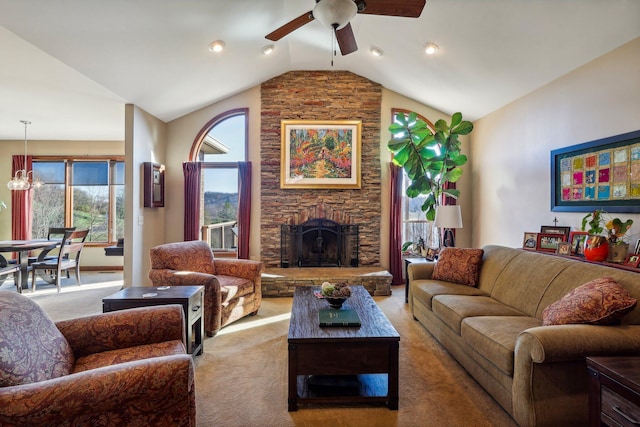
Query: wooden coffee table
362	361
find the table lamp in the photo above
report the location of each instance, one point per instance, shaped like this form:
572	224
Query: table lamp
448	218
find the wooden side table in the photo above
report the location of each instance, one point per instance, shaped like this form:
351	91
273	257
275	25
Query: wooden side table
614	391
410	260
191	298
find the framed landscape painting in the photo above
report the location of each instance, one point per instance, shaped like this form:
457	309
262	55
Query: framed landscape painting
320	154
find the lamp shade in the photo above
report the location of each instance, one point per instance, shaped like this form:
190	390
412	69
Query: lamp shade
335	13
448	217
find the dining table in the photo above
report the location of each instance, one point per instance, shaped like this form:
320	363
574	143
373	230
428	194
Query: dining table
22	248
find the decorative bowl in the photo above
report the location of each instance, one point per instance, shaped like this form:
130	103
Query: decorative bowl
336	302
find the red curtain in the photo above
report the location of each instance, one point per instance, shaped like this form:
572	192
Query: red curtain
21	213
244	209
395	222
191	172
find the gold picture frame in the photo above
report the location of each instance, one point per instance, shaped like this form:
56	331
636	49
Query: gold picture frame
320	154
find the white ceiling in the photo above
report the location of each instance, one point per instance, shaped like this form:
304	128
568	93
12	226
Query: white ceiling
69	66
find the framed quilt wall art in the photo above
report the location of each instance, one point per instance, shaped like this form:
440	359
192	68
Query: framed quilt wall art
602	174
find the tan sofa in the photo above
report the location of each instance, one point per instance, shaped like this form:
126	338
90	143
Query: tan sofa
536	373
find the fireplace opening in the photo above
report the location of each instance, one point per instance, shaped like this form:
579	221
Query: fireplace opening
319	242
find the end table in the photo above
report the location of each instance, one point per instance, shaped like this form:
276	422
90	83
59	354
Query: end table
191	298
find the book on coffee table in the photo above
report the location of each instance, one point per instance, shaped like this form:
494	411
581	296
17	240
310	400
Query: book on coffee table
342	317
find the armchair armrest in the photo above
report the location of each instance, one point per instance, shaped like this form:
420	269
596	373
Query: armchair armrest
124	328
164	277
245	268
545	344
159	388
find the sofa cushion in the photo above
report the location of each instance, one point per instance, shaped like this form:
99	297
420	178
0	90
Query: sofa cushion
494	337
130	354
32	349
459	265
600	302
453	309
425	290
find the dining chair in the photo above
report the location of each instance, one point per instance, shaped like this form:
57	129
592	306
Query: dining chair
55	233
68	258
17	274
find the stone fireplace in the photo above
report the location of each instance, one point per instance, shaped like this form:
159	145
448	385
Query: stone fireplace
319	242
320	95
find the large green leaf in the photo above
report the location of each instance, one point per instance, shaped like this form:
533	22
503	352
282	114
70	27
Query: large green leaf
463	128
441	126
453	175
456	119
452	192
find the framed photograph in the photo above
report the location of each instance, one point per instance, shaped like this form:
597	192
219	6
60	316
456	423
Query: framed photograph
564	248
431	254
153	174
600	174
530	241
632	260
552	229
548	242
576	240
320	154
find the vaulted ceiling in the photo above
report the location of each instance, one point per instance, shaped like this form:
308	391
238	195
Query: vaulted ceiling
69	66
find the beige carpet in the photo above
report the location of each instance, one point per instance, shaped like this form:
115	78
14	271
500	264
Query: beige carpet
241	377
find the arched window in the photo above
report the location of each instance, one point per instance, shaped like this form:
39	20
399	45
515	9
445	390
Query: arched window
220	145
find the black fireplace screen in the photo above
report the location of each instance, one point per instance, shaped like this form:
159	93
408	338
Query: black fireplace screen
319	243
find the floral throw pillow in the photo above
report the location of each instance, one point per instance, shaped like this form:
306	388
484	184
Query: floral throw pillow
458	265
598	302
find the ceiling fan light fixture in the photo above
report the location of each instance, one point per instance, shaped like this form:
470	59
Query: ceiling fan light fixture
268	49
216	46
376	51
335	13
431	48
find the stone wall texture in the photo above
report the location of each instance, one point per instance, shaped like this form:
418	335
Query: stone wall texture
320	95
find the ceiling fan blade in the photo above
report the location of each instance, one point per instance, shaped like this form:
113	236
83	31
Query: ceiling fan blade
346	40
290	26
405	8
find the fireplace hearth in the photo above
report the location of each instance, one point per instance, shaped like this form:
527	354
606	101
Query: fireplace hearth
319	242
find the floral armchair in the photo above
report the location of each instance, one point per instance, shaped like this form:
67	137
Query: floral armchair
232	287
124	368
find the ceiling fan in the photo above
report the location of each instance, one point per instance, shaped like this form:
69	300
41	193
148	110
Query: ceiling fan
337	14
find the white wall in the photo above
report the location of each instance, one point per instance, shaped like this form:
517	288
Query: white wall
510	148
145	141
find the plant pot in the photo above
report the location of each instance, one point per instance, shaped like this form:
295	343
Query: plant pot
596	248
618	252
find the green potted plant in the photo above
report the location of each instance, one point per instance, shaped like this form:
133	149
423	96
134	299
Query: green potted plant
600	247
429	159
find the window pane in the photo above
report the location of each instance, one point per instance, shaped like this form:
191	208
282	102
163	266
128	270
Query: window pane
91	211
49	172
119	208
220	206
225	142
48	209
117	172
90	173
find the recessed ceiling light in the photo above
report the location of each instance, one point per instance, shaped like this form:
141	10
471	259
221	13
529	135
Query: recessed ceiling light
216	46
268	49
431	48
376	51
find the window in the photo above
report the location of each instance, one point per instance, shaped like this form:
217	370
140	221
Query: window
223	146
81	193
